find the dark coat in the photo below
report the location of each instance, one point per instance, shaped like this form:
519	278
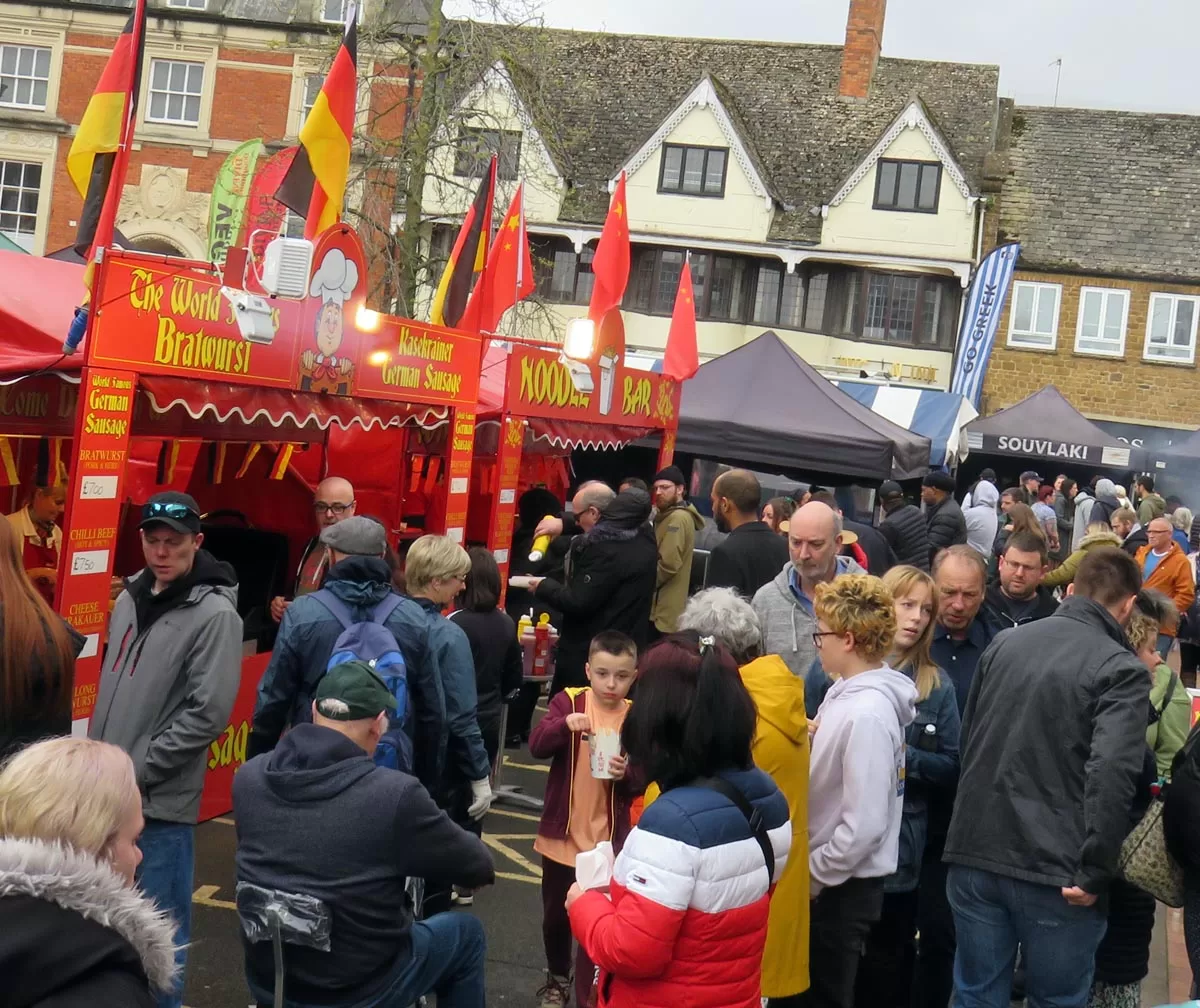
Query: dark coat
880	556
750	556
608	583
947	526
1104	508
499	661
1135	541
997	608
74	935
907	532
1054	740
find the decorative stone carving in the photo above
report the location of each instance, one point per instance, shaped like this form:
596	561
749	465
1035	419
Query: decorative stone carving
27	140
162	195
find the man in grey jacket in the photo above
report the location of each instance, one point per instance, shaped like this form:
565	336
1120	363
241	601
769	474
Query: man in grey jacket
167	688
784	606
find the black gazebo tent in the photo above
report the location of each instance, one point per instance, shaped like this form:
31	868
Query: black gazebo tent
1045	426
763	405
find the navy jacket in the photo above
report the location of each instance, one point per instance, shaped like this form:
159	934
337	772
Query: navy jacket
305	642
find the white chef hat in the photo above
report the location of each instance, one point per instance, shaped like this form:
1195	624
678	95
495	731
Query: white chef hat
335	279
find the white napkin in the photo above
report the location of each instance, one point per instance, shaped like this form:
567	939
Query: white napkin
594	868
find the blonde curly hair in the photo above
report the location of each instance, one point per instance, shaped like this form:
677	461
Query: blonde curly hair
861	605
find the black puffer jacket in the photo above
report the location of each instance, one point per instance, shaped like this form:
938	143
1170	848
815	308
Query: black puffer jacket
74	935
1053	744
907	532
608	583
498	659
947	526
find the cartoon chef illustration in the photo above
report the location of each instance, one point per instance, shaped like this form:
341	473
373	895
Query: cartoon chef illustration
333	282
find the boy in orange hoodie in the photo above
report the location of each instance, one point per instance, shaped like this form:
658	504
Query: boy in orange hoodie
581	809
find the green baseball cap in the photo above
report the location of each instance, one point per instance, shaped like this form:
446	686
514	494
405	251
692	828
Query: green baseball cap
353	692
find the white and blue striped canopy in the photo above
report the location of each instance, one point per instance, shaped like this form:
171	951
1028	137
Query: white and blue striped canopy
939	416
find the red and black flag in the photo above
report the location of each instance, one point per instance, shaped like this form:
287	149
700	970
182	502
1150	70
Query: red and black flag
93	154
469	255
315	185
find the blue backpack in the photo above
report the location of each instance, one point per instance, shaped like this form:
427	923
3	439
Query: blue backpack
371	641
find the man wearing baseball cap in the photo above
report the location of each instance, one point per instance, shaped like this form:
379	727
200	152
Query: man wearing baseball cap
321	782
947	526
1031	482
170	677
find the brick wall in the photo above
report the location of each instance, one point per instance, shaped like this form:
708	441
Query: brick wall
1121	388
864	39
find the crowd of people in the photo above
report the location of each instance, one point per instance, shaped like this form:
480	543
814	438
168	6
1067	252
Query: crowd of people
838	764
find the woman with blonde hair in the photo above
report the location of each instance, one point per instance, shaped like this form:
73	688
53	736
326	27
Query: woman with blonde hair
37	656
435	572
931	772
74	932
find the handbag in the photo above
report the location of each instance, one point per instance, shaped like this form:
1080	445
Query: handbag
1145	862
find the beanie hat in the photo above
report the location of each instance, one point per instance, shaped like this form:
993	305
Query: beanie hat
672	473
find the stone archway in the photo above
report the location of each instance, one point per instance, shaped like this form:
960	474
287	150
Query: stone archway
165	237
163	212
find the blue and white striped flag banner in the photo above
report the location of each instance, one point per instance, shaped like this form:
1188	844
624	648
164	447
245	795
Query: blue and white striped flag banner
980	321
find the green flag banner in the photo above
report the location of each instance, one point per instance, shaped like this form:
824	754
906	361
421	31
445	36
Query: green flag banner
230	193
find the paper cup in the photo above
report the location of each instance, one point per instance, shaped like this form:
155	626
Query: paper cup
604	745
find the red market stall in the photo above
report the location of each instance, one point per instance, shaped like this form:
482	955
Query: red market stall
532	414
166	394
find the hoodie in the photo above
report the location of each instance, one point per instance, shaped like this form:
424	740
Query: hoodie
1106	502
787	619
781	750
856	778
1084	502
981	518
170	677
675	531
317	816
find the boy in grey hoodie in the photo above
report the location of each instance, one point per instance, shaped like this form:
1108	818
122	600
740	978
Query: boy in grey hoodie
856	779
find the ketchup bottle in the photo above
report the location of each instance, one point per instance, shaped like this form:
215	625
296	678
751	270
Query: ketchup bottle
541	646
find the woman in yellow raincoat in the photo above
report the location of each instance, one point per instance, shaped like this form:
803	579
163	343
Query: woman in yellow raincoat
780	749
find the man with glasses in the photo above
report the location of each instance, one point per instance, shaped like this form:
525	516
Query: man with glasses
1018	596
332	503
167	688
1166	568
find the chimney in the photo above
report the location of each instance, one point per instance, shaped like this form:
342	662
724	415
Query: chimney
864	39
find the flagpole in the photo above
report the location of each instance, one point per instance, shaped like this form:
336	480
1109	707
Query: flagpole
106	224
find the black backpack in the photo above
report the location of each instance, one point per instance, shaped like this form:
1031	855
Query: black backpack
1181	804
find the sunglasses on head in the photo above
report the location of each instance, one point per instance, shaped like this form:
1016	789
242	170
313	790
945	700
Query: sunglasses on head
164	509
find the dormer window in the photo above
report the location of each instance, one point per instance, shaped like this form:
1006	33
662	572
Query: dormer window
693	171
911	186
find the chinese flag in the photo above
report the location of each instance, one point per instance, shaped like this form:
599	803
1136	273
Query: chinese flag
315	184
611	262
681	360
508	276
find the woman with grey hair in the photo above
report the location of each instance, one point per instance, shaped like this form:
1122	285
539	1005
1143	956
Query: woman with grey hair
780	749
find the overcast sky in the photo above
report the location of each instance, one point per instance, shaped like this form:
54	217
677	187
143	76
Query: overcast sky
1116	53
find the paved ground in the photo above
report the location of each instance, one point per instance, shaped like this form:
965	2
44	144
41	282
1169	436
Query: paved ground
510	910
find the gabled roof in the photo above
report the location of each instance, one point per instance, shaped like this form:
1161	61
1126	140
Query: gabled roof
1105	192
915	116
705	95
611	93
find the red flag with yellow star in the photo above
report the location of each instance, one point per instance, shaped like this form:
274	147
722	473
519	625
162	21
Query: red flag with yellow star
681	359
611	262
508	276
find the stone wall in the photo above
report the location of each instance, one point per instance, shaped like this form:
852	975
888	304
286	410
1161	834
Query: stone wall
1117	388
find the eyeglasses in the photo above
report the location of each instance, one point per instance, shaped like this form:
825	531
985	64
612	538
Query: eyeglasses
817	635
164	509
320	507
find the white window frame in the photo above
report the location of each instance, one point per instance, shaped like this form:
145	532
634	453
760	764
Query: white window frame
358	14
1106	292
28	240
197	5
15	76
1174	299
1019	338
199	95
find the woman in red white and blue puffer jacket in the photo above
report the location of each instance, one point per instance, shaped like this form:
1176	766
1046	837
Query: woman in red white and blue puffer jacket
687	918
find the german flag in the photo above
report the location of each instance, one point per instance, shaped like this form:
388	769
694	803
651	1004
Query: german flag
469	255
315	185
93	152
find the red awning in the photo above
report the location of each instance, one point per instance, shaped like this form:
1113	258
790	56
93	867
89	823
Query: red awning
37	301
248	404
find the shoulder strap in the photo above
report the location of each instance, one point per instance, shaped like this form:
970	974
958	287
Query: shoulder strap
753	817
336	607
1170	693
385	608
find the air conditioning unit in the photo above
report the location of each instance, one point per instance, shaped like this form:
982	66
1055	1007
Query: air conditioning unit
287	266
